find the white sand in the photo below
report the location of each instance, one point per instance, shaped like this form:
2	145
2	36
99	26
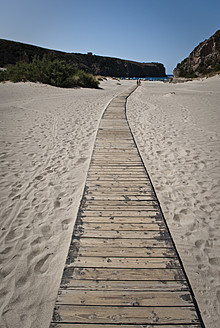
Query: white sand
177	129
47	136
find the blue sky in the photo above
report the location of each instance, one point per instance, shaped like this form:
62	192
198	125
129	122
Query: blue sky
163	31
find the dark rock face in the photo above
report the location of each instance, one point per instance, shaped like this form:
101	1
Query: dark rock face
12	52
204	59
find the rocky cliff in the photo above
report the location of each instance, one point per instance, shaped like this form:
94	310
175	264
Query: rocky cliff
204	59
12	52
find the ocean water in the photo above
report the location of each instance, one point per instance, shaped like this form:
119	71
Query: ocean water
148	78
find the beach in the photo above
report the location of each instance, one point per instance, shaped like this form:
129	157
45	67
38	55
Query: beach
47	139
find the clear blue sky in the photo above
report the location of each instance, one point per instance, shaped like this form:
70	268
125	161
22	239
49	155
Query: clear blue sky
163	31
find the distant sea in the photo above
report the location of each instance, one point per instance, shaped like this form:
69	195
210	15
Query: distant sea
149	78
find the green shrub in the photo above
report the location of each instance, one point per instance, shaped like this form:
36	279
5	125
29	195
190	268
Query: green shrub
48	71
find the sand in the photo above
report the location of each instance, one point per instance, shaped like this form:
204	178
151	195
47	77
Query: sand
177	130
47	137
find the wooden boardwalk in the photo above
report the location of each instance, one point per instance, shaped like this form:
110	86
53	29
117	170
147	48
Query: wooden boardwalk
122	268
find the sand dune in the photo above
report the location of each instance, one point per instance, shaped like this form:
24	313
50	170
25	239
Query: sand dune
177	129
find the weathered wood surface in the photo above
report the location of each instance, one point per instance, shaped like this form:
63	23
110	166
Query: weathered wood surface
122	274
129	285
122	234
83	325
135	252
124	298
123	242
126	314
123	262
122	269
113	226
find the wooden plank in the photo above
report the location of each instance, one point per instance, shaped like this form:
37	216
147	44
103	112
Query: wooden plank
108	165
121	184
118	197
124	193
118	126
113	170
123	202
115	154
125	134
117	192
116	189
87	325
123	234
127	147
127	207
124	298
102	160
111	285
116	129
98	163
129	185
120	220
116	158
123	190
125	262
119	151
117	132
130	213
125	242
104	138
106	251
116	174
123	274
111	145
105	168
122	227
131	315
105	159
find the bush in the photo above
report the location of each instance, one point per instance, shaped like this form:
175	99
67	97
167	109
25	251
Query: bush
48	71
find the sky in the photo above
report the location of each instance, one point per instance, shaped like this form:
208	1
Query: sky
163	31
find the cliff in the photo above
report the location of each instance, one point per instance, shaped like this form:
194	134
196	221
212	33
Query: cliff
204	59
12	52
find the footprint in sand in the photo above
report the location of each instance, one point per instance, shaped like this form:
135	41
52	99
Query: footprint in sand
199	243
56	204
43	264
215	261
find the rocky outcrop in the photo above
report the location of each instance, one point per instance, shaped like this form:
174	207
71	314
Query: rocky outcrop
12	52
204	59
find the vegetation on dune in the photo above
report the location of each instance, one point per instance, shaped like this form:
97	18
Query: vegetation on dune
53	72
